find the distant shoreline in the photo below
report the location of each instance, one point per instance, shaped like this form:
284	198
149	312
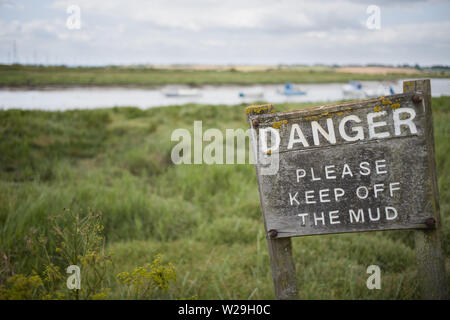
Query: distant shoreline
40	77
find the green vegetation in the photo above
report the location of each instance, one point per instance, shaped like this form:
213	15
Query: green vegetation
35	76
204	219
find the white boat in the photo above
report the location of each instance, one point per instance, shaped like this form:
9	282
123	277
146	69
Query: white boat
380	90
183	93
355	90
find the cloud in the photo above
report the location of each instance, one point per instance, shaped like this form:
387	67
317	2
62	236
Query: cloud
283	31
201	15
10	4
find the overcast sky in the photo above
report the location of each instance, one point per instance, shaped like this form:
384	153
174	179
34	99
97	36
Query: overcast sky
225	32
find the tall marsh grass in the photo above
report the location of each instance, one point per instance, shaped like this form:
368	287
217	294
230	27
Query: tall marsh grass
204	219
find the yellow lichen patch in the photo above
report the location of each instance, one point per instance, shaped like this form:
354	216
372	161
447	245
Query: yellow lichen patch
395	106
311	118
407	84
339	114
250	108
277	124
377	108
258	109
386	101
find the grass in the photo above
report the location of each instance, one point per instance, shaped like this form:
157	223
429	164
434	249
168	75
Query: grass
205	219
38	76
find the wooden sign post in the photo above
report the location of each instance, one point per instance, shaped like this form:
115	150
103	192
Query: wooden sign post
353	167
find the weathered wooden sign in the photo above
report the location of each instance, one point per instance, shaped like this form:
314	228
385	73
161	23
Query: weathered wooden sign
353	167
360	166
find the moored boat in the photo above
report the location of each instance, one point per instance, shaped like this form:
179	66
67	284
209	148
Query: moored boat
249	94
290	90
183	93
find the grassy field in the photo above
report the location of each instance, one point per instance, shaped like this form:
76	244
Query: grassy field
38	76
205	219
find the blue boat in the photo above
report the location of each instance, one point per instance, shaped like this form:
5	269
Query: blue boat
289	90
